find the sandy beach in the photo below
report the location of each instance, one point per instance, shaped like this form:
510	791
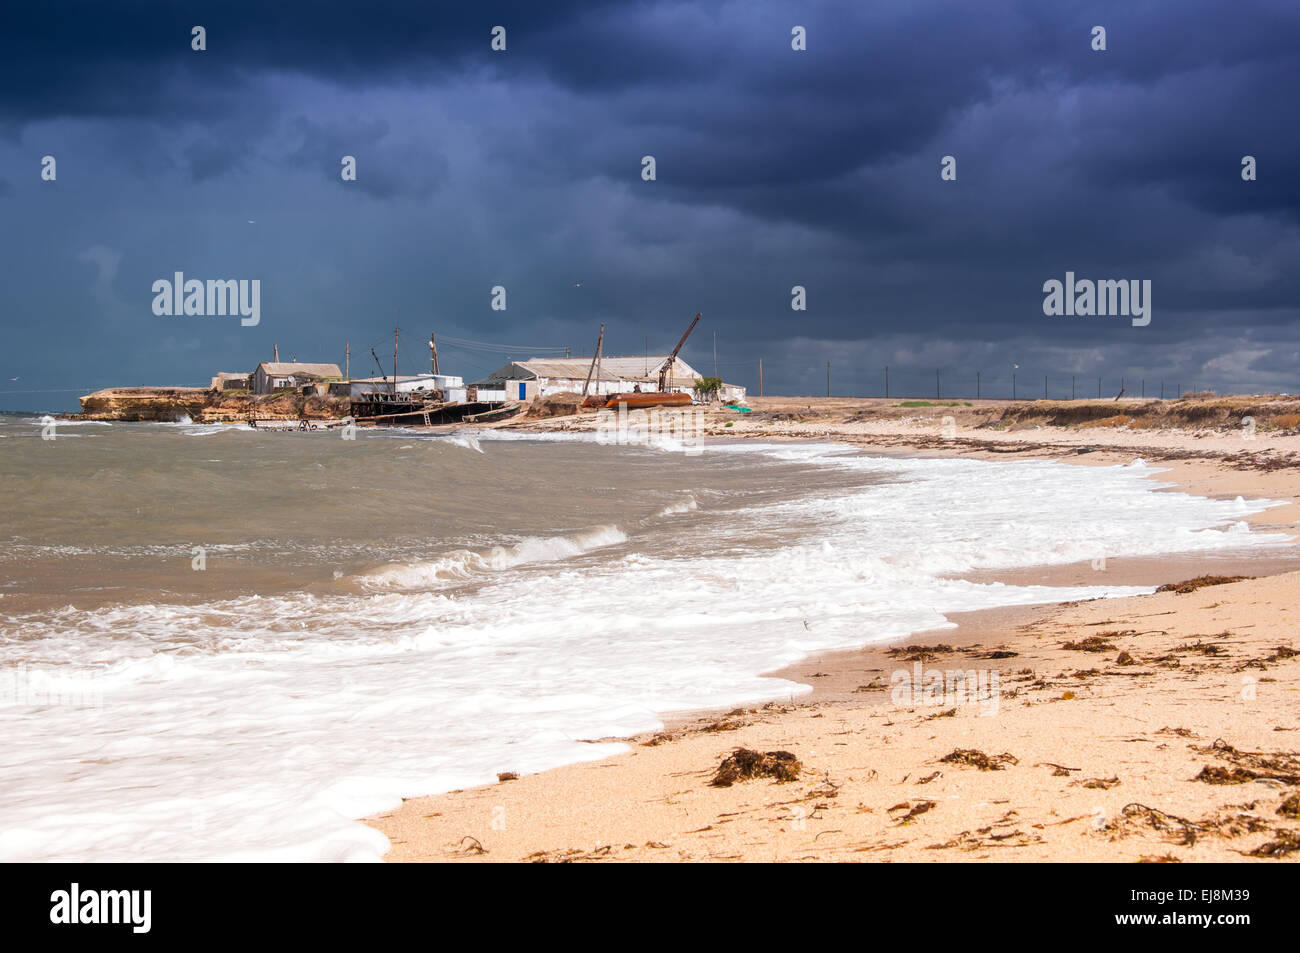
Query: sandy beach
1161	727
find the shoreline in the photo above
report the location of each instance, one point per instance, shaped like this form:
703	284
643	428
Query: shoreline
660	785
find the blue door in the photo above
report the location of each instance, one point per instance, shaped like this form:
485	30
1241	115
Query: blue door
523	391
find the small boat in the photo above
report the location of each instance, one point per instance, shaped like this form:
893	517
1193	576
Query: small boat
495	414
637	400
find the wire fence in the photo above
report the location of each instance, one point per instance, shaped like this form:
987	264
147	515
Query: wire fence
943	384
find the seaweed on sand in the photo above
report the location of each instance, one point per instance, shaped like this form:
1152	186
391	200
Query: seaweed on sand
745	764
1163	822
1276	765
978	759
1200	582
919	653
1093	643
1201	647
913	809
1217	775
1099	784
731	721
1285	842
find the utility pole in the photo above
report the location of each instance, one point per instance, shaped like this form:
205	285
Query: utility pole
433	346
1072	379
347	361
394	360
1099	388
1044	387
715	353
760	377
595	358
1144	388
828	378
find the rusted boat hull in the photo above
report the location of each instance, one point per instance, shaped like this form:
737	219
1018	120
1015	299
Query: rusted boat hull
653	399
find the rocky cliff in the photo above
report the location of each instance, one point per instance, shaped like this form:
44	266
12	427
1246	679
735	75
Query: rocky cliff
205	406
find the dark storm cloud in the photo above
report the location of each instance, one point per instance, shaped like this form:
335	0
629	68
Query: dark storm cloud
385	172
90	58
775	168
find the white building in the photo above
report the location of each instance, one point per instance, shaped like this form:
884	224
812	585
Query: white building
230	380
452	387
538	377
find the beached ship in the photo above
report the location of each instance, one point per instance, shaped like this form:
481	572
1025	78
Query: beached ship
639	400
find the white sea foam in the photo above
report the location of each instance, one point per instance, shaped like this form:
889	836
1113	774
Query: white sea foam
468	441
463	563
688	505
260	727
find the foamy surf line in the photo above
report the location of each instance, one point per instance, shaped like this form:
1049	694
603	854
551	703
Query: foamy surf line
463	564
299	714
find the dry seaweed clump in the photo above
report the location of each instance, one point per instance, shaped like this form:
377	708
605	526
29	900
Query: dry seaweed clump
1093	643
919	653
978	759
1217	775
1285	842
745	764
1200	582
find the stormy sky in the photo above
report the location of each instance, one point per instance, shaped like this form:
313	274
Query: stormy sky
774	168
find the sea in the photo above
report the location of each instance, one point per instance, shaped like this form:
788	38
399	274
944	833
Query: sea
224	644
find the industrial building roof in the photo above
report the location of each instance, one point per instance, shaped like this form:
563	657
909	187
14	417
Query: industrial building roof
640	368
287	368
